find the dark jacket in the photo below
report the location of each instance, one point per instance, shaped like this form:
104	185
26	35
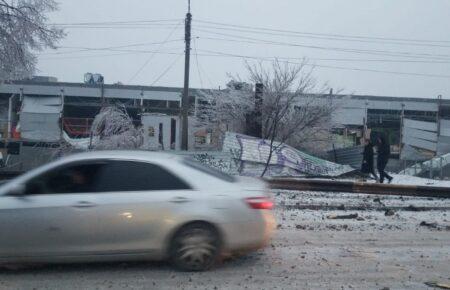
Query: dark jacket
384	150
367	165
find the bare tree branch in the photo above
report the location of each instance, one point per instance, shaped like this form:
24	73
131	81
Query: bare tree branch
296	109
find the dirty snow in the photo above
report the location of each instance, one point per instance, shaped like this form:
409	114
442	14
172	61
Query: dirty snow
308	251
399	179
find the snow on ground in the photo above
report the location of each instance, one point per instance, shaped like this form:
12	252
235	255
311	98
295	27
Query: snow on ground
413	180
399	179
311	211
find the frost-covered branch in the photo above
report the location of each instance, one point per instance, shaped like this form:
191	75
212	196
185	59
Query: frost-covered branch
230	106
113	128
24	29
295	108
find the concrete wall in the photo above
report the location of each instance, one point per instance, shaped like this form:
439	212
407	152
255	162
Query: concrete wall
151	125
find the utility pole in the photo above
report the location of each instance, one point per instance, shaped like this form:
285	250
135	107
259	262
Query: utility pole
438	123
185	98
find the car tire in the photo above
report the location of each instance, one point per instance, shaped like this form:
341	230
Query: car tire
195	247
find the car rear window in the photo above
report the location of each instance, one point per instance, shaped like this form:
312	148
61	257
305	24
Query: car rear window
208	170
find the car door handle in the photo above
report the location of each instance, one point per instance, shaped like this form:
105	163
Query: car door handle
180	199
84	204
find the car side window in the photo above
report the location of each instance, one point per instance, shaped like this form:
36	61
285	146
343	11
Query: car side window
137	176
76	178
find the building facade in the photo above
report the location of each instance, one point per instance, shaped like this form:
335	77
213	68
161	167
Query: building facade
41	112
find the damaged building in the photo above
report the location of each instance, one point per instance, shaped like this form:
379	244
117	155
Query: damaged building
417	128
36	115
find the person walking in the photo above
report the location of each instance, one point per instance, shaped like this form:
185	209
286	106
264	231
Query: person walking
384	152
367	164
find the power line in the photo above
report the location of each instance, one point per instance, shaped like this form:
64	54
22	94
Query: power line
222	54
117	22
198	66
123	27
84	49
167	69
340	49
252	31
123	52
135	52
151	56
127	52
323	34
229	26
211	53
374	60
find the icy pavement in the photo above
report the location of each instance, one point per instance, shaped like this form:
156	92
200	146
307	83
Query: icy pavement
399	179
378	249
321	211
412	180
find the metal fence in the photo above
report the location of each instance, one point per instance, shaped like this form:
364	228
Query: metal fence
352	156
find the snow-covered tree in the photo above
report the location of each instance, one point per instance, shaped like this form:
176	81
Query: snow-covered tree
113	128
225	109
295	109
24	30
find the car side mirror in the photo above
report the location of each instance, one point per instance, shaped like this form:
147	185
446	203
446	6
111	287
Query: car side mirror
17	190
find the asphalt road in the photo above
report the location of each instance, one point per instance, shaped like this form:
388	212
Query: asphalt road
309	251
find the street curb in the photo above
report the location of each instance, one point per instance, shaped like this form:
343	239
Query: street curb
358	187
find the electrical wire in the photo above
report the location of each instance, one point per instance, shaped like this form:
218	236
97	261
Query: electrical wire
252	40
146	27
151	56
211	27
167	69
116	22
271	59
84	49
210	53
128	52
197	64
322	34
279	34
125	52
248	28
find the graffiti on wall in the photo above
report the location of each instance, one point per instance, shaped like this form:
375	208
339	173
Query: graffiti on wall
252	154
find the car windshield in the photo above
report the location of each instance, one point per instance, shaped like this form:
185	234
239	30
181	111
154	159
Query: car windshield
208	170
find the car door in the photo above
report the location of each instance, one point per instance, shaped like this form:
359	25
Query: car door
138	202
54	217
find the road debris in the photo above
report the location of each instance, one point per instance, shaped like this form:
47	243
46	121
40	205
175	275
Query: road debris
434	225
343	217
389	212
438	285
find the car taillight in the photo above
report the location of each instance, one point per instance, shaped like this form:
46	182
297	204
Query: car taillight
259	202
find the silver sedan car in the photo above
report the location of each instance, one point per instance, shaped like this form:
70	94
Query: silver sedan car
131	205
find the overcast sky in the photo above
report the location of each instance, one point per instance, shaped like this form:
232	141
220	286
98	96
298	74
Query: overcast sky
381	26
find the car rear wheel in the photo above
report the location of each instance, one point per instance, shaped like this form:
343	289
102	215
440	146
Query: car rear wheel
195	247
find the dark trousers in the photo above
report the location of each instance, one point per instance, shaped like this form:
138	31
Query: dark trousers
368	169
372	171
381	165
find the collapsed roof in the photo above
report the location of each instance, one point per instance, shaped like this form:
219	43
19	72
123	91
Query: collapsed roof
251	155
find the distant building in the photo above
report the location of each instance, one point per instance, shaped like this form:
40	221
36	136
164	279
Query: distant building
357	113
41	111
